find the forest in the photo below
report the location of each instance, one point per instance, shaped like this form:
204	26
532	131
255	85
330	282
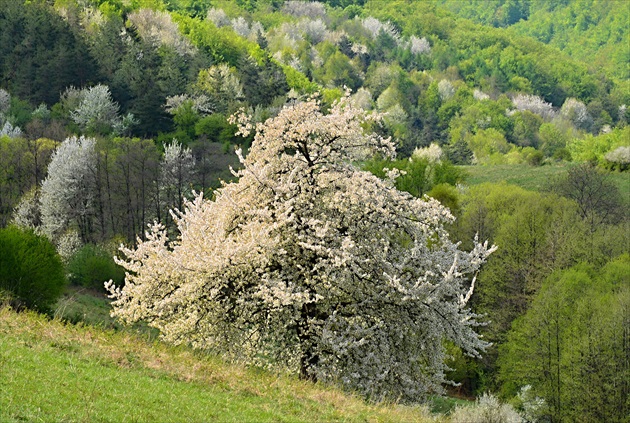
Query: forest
287	184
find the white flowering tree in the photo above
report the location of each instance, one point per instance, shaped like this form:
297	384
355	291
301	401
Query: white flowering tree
576	112
158	28
311	263
534	104
176	171
5	101
67	194
96	111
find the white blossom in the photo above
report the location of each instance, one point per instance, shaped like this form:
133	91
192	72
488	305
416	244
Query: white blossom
176	173
41	112
245	30
487	409
67	193
92	17
309	263
309	9
26	214
533	406
445	89
534	104
241	26
622	112
315	30
68	243
432	153
480	95
5	101
419	45
359	49
96	106
291	31
159	29
10	131
362	99
218	17
200	103
374	27
575	111
96	110
620	155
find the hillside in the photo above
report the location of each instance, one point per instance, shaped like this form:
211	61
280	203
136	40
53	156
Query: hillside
411	200
595	32
51	371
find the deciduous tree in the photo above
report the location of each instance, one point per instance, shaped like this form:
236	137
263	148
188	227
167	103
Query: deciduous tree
309	262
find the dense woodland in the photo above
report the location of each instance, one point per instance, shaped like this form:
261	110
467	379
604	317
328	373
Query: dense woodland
115	112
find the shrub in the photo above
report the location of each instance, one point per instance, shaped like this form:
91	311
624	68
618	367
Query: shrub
92	266
532	156
488	409
618	159
448	196
31	271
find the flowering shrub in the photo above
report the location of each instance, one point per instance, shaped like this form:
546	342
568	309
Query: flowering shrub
487	409
618	158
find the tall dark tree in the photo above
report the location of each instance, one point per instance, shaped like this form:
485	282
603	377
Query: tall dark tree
40	55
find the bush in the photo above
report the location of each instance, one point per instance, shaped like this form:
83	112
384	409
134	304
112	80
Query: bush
446	172
448	196
31	271
618	159
533	157
488	409
92	266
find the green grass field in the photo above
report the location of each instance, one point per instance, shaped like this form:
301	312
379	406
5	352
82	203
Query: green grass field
51	371
534	178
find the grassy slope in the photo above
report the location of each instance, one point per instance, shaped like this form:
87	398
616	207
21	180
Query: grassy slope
51	371
534	178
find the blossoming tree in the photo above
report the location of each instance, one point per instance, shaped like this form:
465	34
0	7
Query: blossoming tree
309	262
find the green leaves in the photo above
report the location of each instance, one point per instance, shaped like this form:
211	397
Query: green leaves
570	344
30	269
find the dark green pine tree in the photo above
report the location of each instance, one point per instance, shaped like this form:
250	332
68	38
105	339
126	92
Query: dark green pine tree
40	55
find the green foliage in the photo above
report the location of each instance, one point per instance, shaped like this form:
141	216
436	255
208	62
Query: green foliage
593	148
216	128
535	232
526	126
489	146
338	71
570	345
298	81
186	118
419	176
40	55
459	153
92	266
597	197
19	112
30	269
263	82
445	172
448	196
221	44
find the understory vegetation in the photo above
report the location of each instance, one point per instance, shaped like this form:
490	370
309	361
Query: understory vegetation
402	200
